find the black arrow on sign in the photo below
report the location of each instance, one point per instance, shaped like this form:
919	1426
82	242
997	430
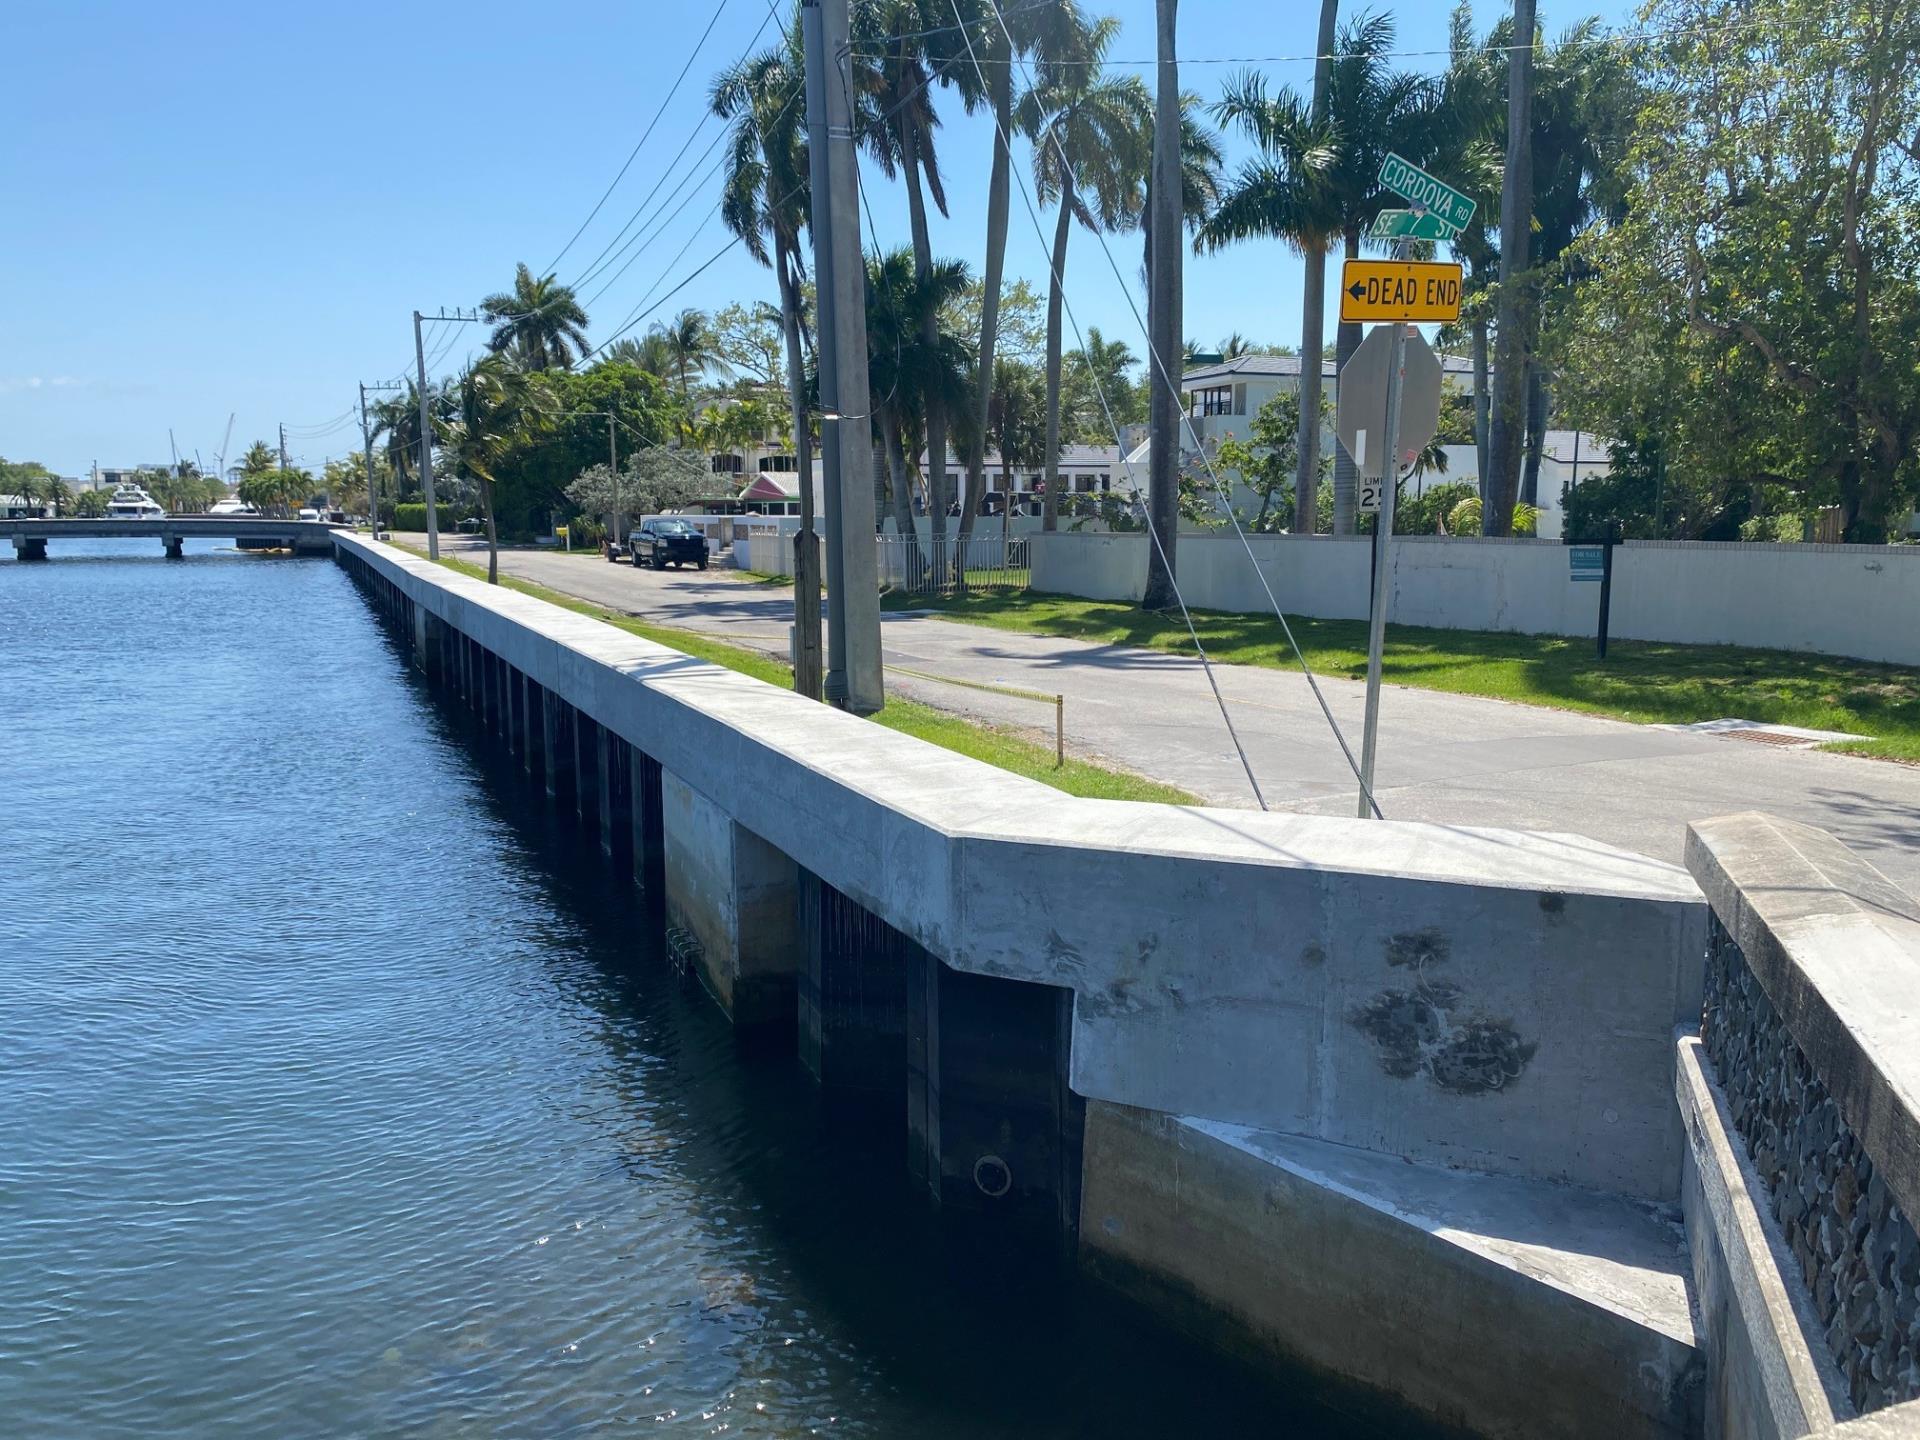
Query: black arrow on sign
1356	290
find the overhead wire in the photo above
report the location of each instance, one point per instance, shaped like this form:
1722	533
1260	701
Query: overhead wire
602	259
645	135
1126	461
1158	362
1615	38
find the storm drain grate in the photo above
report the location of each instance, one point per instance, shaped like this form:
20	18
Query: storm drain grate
1768	737
1781	737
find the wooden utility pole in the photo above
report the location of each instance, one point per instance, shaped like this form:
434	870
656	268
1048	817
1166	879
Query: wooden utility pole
1313	313
1163	319
1514	333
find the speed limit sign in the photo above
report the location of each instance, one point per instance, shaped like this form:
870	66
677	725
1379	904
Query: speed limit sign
1369	495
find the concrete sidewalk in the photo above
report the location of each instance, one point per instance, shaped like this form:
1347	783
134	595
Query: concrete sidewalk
1448	758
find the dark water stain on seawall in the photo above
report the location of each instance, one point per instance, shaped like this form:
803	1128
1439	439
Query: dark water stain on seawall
1421	1030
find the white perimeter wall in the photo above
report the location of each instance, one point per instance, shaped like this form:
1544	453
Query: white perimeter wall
1856	600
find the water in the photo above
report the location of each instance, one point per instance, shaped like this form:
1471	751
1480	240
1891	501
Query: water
341	1094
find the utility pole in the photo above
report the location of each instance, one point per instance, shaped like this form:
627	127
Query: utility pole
283	446
854	679
426	444
613	461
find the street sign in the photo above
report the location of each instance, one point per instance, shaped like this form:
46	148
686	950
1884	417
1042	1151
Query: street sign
1360	416
1587	562
1410	225
1426	290
1403	177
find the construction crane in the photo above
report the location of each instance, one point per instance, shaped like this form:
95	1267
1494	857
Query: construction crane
220	459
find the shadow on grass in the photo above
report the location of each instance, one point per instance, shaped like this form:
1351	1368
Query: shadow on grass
1644	681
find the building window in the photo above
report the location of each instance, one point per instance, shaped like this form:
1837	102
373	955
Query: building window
726	465
1214	400
1106	483
777	462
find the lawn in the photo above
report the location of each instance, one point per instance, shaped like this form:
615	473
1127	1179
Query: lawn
1639	680
995	746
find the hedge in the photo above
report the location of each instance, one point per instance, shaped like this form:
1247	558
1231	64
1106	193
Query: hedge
414	517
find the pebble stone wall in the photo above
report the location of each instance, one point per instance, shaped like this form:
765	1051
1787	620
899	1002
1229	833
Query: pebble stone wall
1857	1252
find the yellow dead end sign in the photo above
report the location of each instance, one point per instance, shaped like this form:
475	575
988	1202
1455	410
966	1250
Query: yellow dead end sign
1389	290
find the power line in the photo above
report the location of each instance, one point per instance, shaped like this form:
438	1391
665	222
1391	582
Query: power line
1616	38
598	261
665	100
1155	358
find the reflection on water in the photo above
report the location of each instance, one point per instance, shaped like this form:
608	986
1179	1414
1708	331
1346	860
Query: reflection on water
342	1094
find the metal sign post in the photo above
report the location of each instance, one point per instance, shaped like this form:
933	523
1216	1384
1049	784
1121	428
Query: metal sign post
1589	561
1382	570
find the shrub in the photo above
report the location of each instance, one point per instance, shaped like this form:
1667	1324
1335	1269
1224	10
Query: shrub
414	517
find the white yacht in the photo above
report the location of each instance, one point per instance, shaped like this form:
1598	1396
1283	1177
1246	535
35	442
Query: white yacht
130	502
233	505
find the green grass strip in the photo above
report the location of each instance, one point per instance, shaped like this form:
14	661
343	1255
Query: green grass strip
1643	681
995	746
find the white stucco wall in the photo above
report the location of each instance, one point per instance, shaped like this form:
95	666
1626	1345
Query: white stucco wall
1855	600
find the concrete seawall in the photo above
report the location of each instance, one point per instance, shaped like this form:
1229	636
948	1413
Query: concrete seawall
1447	1046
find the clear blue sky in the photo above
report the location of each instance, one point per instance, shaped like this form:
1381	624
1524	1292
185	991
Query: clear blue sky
219	207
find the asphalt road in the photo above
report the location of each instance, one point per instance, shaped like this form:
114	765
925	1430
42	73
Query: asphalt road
1447	758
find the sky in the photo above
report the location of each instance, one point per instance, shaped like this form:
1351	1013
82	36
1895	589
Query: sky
214	208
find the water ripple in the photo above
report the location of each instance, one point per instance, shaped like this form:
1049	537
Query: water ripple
338	1099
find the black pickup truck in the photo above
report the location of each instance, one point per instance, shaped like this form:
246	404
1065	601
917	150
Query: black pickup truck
660	543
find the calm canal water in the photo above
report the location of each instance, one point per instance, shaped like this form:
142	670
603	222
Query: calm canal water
340	1095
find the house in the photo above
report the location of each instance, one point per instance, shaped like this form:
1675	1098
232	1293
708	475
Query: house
1223	396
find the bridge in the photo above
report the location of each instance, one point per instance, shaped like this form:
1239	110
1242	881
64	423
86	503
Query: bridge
249	532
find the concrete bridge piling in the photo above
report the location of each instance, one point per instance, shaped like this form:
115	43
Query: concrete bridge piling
1393	1102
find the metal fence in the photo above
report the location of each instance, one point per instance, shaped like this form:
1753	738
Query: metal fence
915	565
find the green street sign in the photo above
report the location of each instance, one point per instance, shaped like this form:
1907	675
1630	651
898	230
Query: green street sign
1405	178
1411	225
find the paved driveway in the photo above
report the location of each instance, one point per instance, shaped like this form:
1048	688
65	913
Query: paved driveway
1448	758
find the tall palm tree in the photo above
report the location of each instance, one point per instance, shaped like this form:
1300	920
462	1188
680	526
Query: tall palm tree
765	197
495	400
1313	181
56	492
540	320
903	371
1092	147
897	124
1053	33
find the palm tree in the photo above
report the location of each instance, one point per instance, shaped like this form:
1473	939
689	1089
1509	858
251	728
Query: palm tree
688	338
495	400
765	196
29	487
1054	33
1091	152
903	372
1313	181
896	124
396	421
1016	422
540	320
258	460
56	492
